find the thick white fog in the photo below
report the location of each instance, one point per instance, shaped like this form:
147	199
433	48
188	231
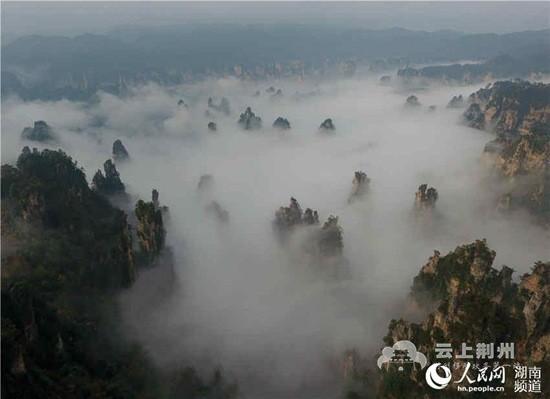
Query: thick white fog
243	303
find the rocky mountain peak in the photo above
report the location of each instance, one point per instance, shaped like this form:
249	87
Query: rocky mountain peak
110	182
281	123
327	125
119	151
249	121
425	198
41	131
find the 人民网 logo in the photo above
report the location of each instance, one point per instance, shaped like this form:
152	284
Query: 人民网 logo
434	379
400	353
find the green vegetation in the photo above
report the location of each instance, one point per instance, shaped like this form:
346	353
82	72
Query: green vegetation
66	254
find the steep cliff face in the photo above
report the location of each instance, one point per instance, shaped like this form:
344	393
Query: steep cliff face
69	249
412	102
519	113
249	121
120	153
360	186
41	131
48	191
287	218
321	248
461	298
467	300
425	198
66	255
108	183
150	228
514	107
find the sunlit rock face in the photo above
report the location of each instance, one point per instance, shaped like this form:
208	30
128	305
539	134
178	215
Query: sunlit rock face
360	186
425	198
249	121
327	125
150	228
412	102
519	113
223	106
457	102
110	182
41	131
281	123
511	108
119	151
463	298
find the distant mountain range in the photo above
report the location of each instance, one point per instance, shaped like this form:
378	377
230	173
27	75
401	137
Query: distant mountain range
500	67
77	67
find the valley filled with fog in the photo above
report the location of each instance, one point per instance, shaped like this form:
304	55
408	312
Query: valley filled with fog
243	301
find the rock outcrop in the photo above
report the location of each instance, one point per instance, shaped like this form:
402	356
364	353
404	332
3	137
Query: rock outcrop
119	151
69	259
330	240
519	113
457	102
468	301
156	203
108	183
385	80
206	182
150	228
48	190
425	198
327	125
217	211
512	108
360	186
288	217
281	123
320	248
212	126
412	102
40	132
249	121
474	116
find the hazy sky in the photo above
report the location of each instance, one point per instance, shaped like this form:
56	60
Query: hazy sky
79	17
